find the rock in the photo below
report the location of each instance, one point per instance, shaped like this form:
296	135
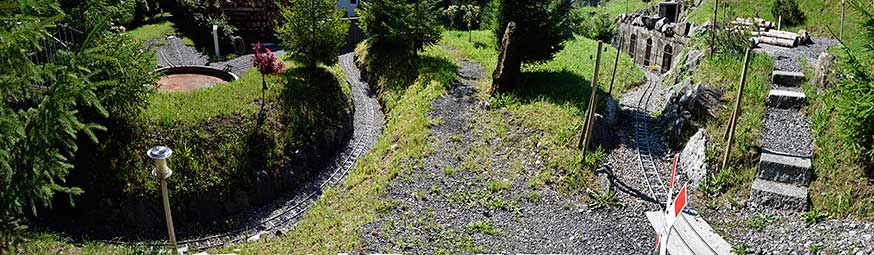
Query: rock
681	28
686	102
804	37
610	112
668	30
823	71
649	22
637	21
660	23
693	158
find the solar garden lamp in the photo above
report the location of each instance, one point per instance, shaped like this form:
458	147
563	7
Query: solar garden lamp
162	172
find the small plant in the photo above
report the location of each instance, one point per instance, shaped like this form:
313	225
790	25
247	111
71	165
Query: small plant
740	249
480	226
267	64
789	10
532	196
814	248
813	216
499	185
759	221
600	200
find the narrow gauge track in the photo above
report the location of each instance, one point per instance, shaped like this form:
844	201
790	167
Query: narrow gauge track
645	150
368	121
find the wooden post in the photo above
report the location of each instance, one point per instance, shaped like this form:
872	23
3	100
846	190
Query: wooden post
842	21
713	29
615	65
590	114
780	22
733	122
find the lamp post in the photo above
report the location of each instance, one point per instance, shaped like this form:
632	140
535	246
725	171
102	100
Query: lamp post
162	172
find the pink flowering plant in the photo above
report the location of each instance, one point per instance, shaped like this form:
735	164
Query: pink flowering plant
267	64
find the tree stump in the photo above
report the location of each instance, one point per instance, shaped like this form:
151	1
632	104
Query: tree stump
506	75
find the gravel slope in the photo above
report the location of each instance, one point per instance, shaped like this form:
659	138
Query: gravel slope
432	209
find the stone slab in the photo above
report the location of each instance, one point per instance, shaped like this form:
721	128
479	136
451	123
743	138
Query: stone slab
785	99
776	195
786	169
694	232
787	79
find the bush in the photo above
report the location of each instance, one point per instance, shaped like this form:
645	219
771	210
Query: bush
855	104
400	26
312	31
489	15
198	16
540	33
88	14
792	15
39	128
593	23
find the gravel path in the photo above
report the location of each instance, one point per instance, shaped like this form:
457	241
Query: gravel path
790	59
174	52
787	233
438	206
776	137
282	214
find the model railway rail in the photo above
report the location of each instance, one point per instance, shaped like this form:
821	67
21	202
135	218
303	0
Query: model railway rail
646	146
368	125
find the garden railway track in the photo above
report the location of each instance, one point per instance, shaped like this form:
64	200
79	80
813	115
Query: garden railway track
368	122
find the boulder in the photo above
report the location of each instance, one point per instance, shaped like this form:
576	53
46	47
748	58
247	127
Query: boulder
687	102
804	37
660	23
693	158
637	21
823	71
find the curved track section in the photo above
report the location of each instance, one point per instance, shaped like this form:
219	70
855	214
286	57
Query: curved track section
283	213
646	145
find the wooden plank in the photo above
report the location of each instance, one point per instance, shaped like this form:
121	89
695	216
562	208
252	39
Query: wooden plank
690	235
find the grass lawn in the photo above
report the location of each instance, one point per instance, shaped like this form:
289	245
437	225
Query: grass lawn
616	7
334	223
840	186
157	26
557	90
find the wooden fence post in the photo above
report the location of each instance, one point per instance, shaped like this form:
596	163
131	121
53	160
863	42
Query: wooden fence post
733	122
615	65
713	28
590	113
842	21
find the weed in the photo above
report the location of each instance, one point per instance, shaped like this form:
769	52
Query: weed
532	196
814	248
480	226
740	249
448	170
499	185
759	221
813	216
602	199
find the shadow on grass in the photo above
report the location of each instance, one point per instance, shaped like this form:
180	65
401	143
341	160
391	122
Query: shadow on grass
311	100
563	87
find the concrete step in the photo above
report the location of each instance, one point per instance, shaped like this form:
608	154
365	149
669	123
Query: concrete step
689	235
785	99
787	79
786	169
776	195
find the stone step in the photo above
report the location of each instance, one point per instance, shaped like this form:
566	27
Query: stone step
785	99
787	79
785	169
776	195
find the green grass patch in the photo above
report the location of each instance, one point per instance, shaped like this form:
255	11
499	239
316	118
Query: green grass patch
334	224
616	7
499	185
558	91
723	72
482	227
39	243
821	15
157	26
840	186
